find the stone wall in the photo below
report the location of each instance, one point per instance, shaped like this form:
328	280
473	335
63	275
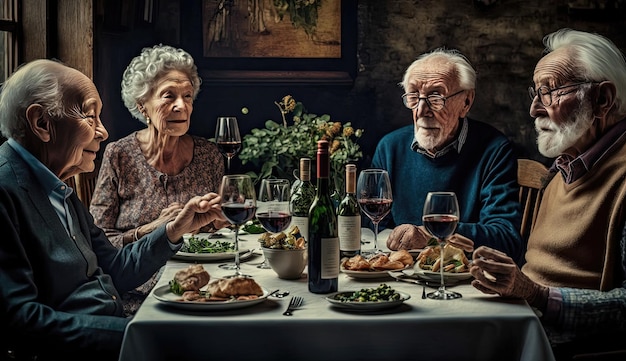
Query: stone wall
503	41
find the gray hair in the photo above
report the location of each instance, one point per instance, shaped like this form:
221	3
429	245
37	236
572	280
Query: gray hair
148	67
465	71
35	82
597	59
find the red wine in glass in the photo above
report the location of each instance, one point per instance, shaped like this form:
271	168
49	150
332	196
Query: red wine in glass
441	226
274	221
229	149
375	208
238	213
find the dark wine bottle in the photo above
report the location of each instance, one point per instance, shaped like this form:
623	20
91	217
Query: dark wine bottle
349	217
323	242
301	199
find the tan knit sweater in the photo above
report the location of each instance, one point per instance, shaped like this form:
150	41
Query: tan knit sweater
575	240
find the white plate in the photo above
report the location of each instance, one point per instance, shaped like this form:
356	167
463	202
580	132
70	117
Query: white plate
164	295
366	306
448	277
369	274
244	254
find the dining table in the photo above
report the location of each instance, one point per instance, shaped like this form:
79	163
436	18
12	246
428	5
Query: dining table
476	326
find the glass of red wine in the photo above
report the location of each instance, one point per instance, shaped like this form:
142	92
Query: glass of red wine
238	206
373	191
227	138
440	217
273	210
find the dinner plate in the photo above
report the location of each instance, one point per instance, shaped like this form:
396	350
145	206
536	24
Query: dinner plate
368	274
244	254
366	306
448	277
168	298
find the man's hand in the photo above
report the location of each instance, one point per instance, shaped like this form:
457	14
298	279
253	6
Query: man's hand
408	236
198	212
496	273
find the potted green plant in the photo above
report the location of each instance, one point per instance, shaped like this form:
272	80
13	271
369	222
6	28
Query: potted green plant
277	148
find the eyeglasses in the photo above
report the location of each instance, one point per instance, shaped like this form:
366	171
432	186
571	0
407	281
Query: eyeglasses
435	102
545	93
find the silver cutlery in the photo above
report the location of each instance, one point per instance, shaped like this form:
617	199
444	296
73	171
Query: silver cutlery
294	303
279	294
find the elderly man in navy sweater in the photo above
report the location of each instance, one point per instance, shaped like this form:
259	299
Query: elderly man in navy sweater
446	151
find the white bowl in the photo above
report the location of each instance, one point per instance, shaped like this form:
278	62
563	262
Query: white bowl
287	263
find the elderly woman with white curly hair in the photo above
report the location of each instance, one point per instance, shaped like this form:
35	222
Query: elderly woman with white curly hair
147	176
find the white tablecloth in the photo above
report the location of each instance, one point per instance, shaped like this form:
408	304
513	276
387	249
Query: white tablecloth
475	327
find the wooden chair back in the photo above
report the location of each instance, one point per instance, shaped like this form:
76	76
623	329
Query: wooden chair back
86	184
531	175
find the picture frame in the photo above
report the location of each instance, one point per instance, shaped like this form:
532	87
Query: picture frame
231	64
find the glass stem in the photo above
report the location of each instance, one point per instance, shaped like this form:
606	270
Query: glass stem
442	287
375	237
228	165
237	266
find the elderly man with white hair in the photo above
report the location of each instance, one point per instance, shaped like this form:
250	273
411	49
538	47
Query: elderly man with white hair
576	257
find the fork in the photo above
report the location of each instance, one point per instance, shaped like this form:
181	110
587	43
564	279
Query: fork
294	303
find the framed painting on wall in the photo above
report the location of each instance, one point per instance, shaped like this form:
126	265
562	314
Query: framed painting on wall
265	41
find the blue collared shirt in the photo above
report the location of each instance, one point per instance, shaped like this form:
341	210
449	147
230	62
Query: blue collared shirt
57	190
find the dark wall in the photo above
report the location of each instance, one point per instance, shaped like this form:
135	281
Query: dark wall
502	40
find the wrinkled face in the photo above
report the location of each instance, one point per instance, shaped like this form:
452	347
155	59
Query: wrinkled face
76	139
436	129
562	124
170	104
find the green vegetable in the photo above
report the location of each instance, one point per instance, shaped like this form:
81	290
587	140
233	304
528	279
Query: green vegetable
253	227
380	294
203	245
176	288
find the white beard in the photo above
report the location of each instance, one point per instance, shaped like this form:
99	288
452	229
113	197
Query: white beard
558	138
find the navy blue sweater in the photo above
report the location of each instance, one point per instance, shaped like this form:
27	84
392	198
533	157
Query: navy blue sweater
483	176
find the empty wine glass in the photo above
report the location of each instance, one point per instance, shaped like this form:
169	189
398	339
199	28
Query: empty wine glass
440	217
227	138
238	206
374	196
273	208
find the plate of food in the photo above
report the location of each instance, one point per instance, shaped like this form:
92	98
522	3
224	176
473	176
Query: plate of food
202	247
193	289
368	299
428	264
376	266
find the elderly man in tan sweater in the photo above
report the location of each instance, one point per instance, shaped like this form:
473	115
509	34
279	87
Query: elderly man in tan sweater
575	261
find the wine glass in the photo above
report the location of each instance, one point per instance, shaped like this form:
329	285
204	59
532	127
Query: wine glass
374	196
441	215
238	206
273	211
227	138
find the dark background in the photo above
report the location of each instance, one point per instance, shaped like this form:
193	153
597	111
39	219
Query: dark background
503	40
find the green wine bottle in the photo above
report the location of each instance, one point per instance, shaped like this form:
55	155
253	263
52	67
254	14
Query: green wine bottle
349	217
323	242
301	199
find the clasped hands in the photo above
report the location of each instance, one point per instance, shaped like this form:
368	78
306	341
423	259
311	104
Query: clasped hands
196	213
409	236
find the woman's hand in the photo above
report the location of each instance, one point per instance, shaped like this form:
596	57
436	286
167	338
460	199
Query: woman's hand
496	273
408	236
198	212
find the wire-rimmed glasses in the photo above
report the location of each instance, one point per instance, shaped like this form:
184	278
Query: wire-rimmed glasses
435	102
545	93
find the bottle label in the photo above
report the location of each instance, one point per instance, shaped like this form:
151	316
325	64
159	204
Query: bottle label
303	226
330	258
349	232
